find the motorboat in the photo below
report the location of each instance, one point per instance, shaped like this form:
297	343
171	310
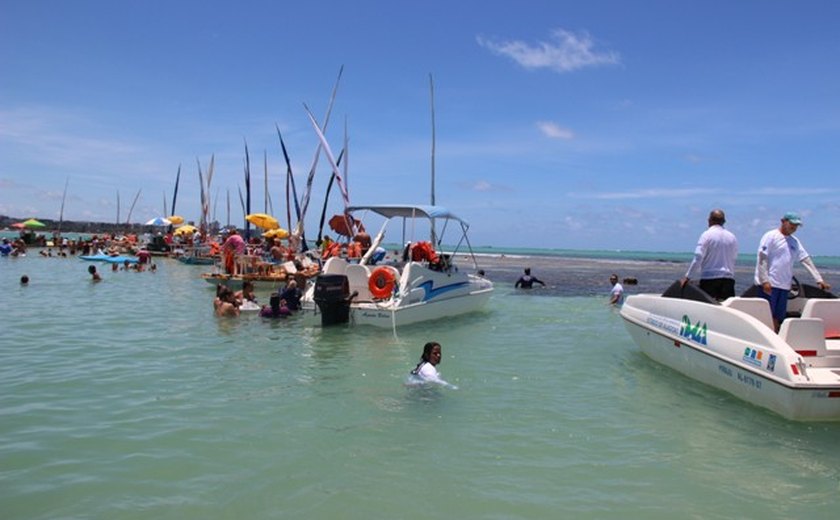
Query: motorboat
732	345
419	285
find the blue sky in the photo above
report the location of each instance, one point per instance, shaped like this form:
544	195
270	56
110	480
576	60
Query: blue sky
586	125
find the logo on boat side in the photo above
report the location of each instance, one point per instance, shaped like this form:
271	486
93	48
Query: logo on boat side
753	357
431	292
696	332
771	363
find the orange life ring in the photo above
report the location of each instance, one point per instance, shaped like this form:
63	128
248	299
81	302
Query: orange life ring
381	283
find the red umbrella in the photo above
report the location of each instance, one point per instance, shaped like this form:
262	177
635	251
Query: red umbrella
341	225
18	225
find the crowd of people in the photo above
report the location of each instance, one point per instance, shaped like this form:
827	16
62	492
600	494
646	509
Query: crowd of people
281	304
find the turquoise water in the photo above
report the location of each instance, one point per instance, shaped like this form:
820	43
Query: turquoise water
129	399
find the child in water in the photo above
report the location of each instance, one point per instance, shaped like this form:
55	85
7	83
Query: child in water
426	370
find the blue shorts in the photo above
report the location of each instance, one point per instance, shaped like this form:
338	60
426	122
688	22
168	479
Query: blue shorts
778	302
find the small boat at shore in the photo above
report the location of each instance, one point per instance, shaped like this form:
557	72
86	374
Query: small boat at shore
732	345
111	259
424	285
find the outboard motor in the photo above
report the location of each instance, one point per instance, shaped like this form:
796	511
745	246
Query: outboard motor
332	296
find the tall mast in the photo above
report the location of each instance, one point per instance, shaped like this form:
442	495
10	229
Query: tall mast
432	95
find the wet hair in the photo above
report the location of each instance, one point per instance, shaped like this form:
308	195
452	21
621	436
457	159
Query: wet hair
527	270
427	355
24	279
274	303
91	269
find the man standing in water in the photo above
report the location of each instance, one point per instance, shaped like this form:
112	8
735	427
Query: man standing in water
714	257
617	291
774	266
526	281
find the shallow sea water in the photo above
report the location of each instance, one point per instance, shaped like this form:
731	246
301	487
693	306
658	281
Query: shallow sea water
129	399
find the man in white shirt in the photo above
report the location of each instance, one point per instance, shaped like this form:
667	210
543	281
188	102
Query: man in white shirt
617	291
774	266
714	257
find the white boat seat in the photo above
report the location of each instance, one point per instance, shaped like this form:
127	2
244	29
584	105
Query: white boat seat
335	265
829	312
804	335
758	308
358	277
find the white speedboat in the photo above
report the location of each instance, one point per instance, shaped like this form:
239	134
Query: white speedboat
419	285
732	346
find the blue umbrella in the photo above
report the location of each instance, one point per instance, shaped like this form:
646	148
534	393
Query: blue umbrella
158	221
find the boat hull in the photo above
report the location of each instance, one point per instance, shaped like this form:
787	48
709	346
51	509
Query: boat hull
389	315
742	359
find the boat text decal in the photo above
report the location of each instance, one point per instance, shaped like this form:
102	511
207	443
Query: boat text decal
696	333
740	376
666	324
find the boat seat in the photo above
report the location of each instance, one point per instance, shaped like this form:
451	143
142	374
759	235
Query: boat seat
758	308
335	265
829	312
804	335
358	277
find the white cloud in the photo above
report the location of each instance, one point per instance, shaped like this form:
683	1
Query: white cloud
555	131
565	52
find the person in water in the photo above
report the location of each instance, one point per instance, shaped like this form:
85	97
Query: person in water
225	303
617	291
94	276
291	295
426	369
276	308
246	293
24	280
526	281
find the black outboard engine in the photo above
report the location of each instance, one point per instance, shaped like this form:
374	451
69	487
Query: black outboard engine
332	296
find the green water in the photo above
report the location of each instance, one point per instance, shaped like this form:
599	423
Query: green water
129	399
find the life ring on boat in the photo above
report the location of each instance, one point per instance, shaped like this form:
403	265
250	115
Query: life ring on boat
381	283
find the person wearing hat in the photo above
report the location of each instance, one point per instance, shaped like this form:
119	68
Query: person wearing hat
774	265
714	259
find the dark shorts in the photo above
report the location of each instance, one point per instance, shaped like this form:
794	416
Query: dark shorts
719	288
778	302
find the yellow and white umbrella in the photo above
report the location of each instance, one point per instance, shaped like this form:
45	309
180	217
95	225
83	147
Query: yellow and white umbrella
276	233
185	230
262	220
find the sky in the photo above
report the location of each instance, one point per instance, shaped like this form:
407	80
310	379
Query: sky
610	125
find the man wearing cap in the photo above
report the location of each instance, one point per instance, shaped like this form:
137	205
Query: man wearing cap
714	257
774	266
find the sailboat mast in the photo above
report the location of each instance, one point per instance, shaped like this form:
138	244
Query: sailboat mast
63	198
432	96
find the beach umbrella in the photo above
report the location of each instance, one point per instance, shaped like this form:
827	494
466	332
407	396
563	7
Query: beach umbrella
341	225
276	233
186	230
32	224
175	220
158	221
262	220
17	225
